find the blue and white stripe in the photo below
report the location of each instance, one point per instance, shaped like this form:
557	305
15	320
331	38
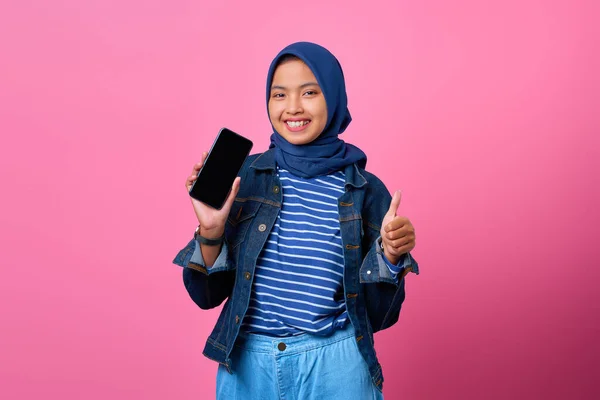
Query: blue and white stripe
298	282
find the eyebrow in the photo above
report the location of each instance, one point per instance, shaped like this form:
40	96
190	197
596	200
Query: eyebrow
301	86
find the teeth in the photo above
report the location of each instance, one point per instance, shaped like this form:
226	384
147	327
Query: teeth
296	124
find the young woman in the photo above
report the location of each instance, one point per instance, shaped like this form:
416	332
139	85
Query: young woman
308	251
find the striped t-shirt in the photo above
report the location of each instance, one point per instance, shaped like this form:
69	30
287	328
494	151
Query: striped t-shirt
298	281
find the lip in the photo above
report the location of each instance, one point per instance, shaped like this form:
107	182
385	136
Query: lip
298	129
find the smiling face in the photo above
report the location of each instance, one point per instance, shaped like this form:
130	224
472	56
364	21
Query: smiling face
297	106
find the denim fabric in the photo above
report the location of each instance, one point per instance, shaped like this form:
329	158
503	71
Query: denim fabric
305	367
373	296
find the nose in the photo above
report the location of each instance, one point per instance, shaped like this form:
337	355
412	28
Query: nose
294	105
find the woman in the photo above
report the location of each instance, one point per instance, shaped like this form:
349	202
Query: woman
308	250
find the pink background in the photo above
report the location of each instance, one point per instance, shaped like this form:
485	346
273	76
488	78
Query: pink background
485	114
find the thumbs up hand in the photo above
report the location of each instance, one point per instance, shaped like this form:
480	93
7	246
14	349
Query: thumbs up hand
397	233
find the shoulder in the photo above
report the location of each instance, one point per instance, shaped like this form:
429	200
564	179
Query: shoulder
261	161
248	163
255	173
377	199
250	159
374	186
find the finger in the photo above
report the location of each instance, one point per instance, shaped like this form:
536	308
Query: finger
190	179
198	166
395	203
397	234
397	230
403	241
235	188
406	248
397	252
398	239
396	223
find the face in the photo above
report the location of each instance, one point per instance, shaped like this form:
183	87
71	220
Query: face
297	107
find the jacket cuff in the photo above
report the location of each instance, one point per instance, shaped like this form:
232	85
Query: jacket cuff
395	269
197	261
406	261
191	257
374	268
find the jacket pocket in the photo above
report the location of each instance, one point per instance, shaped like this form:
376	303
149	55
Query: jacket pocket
240	218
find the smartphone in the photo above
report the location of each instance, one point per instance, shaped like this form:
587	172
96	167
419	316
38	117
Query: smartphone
223	163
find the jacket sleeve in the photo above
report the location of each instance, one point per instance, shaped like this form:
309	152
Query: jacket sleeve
405	264
210	286
207	287
384	290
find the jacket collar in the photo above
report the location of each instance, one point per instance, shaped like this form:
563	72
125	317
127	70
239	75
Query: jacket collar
354	177
266	161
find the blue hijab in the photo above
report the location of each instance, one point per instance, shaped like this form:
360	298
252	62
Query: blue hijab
327	153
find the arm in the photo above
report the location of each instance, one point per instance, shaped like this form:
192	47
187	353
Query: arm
401	268
208	286
208	292
383	288
208	274
384	291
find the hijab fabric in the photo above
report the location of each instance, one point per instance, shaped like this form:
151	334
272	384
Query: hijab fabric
327	153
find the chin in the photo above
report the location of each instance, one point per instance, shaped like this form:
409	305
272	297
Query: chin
293	140
299	141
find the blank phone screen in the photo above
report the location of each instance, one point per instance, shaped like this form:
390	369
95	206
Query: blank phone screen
221	168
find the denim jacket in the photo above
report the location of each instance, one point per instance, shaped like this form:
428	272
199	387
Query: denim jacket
373	296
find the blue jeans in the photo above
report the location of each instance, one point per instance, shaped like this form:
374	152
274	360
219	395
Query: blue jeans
303	367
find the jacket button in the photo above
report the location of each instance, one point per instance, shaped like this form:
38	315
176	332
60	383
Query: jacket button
237	319
262	227
281	346
247	275
275	189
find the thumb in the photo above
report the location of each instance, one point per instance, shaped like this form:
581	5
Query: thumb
395	203
235	188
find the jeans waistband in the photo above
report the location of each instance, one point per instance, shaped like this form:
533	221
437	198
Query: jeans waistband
291	344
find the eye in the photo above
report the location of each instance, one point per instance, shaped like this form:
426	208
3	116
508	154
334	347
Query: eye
310	93
277	95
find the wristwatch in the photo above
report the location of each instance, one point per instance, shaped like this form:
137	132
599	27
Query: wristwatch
206	241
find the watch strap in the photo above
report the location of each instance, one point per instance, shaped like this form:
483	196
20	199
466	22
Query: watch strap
207	241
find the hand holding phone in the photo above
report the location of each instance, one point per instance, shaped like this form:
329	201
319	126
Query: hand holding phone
210	219
213	183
